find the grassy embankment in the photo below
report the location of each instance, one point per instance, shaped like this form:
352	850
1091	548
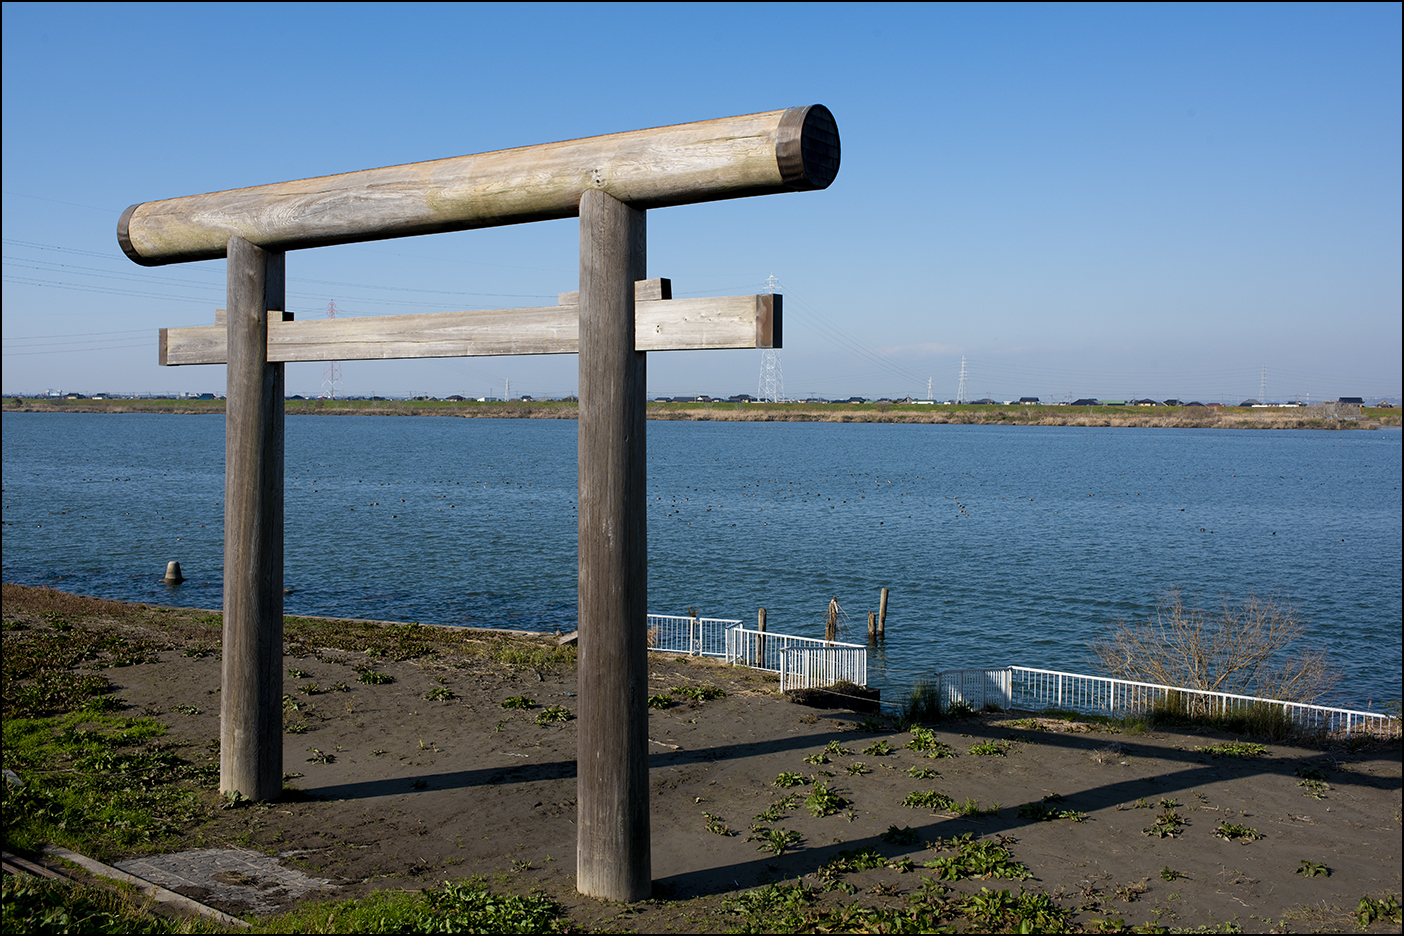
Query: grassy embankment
1161	417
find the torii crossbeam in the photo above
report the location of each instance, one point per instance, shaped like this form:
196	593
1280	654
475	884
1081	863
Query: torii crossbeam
616	317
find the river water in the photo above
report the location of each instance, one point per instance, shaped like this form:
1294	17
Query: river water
1001	545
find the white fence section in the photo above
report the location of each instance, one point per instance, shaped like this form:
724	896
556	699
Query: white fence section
802	662
1022	687
696	636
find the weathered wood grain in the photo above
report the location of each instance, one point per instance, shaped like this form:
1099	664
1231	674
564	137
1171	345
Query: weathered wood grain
251	725
732	157
708	323
613	852
644	291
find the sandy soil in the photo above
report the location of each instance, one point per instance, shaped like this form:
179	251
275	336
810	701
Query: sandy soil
402	791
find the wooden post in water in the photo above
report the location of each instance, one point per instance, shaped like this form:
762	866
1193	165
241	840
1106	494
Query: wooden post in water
872	627
613	851
251	711
882	616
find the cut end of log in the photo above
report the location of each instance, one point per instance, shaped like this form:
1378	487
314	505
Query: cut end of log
125	240
807	148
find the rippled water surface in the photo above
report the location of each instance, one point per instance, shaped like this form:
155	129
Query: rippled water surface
999	544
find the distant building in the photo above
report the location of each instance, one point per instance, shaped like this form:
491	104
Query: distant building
1085	401
1250	403
1146	403
1029	400
1352	401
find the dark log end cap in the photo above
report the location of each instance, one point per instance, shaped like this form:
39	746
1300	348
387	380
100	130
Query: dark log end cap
807	148
125	239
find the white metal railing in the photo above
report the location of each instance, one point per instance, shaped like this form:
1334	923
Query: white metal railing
802	662
697	636
1022	687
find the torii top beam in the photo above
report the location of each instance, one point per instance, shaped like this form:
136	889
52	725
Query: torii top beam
731	157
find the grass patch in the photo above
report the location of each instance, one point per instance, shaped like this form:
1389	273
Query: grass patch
1235	749
97	783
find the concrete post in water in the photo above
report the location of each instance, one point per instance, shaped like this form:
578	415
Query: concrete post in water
882	616
173	575
613	850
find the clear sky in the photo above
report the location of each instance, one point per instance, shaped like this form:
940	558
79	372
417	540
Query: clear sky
1079	200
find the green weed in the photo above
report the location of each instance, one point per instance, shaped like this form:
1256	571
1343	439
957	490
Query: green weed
991	748
1233	832
929	799
518	702
788	779
824	802
554	714
1313	869
1041	811
1235	749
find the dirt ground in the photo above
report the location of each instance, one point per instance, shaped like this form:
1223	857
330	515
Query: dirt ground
402	791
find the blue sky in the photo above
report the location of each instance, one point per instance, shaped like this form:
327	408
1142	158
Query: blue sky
1080	200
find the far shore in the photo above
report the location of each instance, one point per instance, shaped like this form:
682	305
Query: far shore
1155	417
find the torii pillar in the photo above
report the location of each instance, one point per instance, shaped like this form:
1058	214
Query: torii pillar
613	857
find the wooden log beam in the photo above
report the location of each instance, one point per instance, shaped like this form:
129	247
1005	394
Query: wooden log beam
732	157
612	848
251	694
709	323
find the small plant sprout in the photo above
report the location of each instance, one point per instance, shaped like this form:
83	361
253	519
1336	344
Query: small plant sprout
1232	832
788	779
857	768
698	693
877	749
816	759
660	701
929	799
903	836
824	802
1168	873
991	748
518	702
439	694
774	840
924	741
299	674
555	713
372	678
836	749
716	826
922	773
1313	869
1167	825
1041	811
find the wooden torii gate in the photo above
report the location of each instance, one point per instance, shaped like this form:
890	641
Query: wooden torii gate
616	316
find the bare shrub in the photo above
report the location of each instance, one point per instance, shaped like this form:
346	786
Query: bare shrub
1253	647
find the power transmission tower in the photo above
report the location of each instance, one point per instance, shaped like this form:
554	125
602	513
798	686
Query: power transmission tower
1262	387
928	389
331	373
960	396
772	380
